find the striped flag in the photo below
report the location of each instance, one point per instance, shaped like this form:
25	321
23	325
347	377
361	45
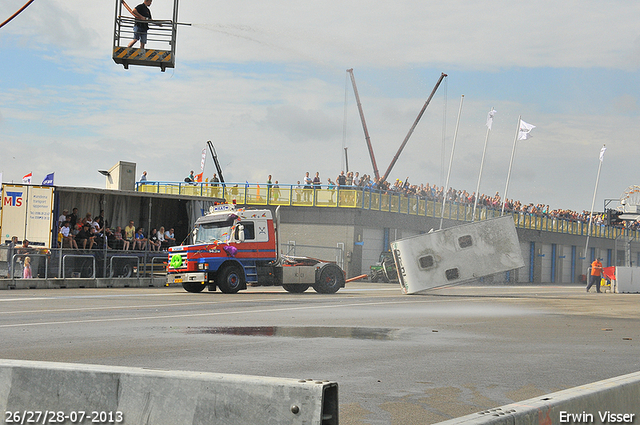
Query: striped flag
27	178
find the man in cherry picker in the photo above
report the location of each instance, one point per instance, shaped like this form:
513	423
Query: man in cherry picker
140	28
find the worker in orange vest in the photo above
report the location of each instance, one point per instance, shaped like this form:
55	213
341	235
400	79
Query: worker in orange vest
596	273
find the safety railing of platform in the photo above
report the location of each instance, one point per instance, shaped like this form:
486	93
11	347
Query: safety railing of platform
371	199
160	32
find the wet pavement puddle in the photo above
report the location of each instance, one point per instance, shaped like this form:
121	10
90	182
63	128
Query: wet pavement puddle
380	334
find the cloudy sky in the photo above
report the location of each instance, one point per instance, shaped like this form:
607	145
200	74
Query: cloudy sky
267	83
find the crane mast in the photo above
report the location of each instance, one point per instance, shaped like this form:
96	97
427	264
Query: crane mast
413	127
364	126
215	160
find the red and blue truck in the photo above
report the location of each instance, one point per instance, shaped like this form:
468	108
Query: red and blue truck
234	247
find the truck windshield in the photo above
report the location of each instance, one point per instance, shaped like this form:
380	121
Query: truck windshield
211	232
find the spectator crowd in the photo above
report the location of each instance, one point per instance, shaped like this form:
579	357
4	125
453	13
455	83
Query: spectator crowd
438	194
91	232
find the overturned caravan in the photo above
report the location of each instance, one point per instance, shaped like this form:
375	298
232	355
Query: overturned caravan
457	254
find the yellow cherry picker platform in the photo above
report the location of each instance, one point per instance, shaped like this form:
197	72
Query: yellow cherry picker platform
160	50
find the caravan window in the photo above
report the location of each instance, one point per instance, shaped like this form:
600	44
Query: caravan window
426	262
452	274
465	241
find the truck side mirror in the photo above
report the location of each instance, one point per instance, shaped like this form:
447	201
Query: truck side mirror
240	233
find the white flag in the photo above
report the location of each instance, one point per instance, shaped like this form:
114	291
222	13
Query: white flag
602	152
524	132
204	156
492	112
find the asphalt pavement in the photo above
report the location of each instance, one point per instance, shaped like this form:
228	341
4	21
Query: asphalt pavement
398	359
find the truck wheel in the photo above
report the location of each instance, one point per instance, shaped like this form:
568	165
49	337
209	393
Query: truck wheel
193	286
230	279
330	280
295	289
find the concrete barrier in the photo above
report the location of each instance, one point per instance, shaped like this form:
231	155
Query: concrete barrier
29	390
612	401
54	283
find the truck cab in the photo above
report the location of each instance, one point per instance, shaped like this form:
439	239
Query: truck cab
228	245
234	247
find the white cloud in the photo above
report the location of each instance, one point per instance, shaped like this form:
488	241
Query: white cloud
471	35
266	83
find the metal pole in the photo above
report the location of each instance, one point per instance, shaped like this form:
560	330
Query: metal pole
513	152
595	190
453	148
174	28
60	262
346	160
104	238
444	135
147	248
116	26
484	151
364	126
413	127
344	119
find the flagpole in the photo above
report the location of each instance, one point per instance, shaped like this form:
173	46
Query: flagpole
593	202
484	151
513	152
453	148
202	162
